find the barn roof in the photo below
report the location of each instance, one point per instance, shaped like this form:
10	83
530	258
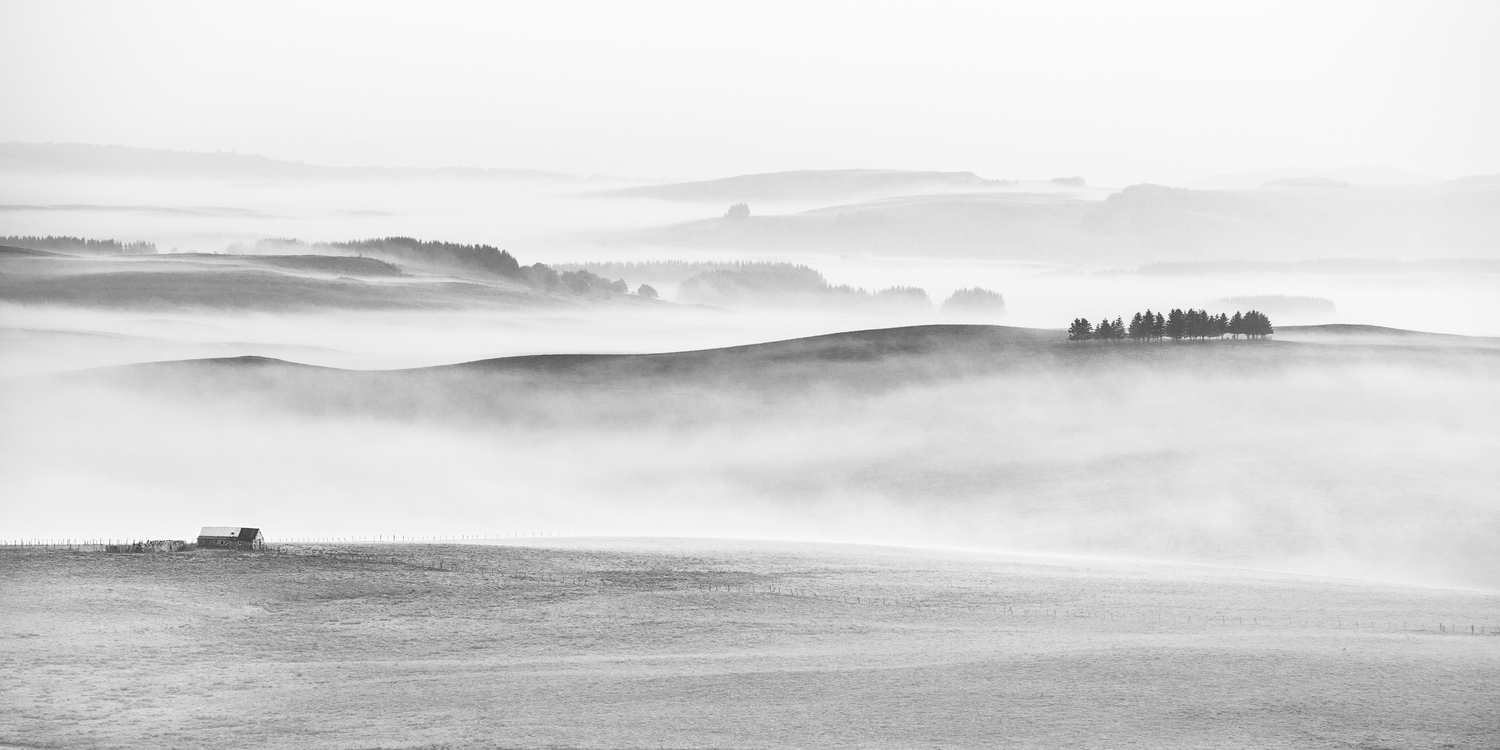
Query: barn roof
244	533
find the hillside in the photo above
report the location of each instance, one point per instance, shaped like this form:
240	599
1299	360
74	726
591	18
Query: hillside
82	159
1139	224
1367	175
446	276
858	362
818	185
237	283
1371	460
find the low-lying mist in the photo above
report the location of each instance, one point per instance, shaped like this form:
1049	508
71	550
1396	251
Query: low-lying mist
1365	462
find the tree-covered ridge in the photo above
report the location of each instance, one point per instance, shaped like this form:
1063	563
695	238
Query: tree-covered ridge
474	261
1193	325
80	246
792	286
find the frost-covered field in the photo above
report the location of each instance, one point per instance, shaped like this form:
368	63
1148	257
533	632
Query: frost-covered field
704	643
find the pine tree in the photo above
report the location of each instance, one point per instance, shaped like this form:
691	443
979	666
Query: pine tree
1197	323
1176	326
1080	330
1217	325
1104	331
1159	328
1257	325
1138	327
1236	325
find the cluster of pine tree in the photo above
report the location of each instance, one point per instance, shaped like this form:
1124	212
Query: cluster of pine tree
81	245
1176	325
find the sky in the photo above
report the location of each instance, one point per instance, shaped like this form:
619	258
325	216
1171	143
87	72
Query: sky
1117	92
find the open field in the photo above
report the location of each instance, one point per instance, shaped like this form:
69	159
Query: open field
703	643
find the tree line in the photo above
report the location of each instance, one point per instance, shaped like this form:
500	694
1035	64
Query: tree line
80	245
1176	325
484	260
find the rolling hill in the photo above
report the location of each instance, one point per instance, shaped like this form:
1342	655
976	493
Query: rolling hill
1368	458
816	185
84	159
1139	224
282	283
858	362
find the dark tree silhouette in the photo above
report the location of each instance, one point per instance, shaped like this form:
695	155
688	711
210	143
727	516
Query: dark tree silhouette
1192	324
1176	326
1080	330
646	290
1221	325
80	245
1107	331
1258	325
1104	331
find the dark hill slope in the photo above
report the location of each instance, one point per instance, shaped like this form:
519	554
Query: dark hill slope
243	283
723	385
8	251
1367	335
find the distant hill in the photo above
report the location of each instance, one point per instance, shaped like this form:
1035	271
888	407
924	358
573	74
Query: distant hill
1283	307
784	285
812	185
999	224
11	251
1368	335
1325	266
80	245
864	360
1140	223
1306	182
1367	175
974	302
125	161
1478	180
332	276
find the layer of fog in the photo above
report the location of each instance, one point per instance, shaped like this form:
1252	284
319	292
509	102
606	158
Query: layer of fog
42	339
1370	466
208	216
46	338
573	221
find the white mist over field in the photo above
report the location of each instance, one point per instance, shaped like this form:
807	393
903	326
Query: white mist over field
1346	462
1365	461
675	374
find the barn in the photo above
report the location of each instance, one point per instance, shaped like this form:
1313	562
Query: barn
230	537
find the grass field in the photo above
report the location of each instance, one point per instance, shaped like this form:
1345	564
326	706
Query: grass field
700	643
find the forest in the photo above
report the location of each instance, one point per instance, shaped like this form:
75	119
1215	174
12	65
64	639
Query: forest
80	246
483	260
1193	325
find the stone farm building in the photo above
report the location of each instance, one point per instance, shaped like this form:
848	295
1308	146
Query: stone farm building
230	537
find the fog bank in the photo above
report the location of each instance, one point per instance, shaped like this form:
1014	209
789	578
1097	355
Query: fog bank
1367	462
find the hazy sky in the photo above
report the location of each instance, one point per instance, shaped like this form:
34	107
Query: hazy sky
1117	92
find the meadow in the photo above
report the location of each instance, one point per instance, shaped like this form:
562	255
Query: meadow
627	643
